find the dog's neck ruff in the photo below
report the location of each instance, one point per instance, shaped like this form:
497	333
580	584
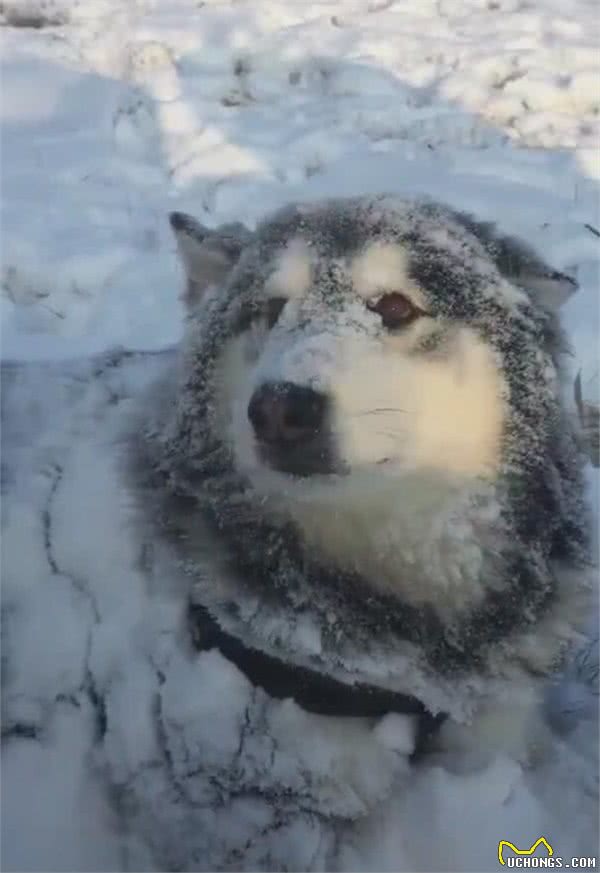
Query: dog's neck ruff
331	656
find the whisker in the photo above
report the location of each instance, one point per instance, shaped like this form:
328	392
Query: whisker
388	433
379	411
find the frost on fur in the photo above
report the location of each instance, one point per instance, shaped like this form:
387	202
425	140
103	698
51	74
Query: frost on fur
410	491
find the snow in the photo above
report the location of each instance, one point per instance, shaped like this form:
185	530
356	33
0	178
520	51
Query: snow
113	114
72	817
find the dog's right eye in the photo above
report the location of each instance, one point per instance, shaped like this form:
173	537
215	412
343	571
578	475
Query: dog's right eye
395	310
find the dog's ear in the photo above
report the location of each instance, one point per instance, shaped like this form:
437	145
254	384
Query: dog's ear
207	255
521	265
550	288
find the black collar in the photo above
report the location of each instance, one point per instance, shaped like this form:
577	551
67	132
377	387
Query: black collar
313	691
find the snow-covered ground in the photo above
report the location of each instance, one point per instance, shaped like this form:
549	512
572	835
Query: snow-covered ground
114	113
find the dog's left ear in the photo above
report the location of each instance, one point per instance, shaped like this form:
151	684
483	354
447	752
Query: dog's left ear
207	255
551	289
522	265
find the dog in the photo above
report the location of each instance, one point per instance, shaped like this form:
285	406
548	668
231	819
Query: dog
366	466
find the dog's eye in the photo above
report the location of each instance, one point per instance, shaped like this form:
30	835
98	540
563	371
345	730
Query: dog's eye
274	308
395	309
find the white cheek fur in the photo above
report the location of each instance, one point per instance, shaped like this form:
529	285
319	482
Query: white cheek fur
425	414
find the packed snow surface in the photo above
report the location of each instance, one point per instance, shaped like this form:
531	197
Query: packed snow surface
114	113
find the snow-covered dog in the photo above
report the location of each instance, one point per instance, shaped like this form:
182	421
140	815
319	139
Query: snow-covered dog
365	465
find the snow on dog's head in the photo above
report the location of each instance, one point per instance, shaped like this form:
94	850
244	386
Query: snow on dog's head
374	364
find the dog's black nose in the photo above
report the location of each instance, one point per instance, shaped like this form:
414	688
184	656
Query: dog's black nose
283	413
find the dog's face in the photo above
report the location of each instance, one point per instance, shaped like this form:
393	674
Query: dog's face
385	376
356	344
347	366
